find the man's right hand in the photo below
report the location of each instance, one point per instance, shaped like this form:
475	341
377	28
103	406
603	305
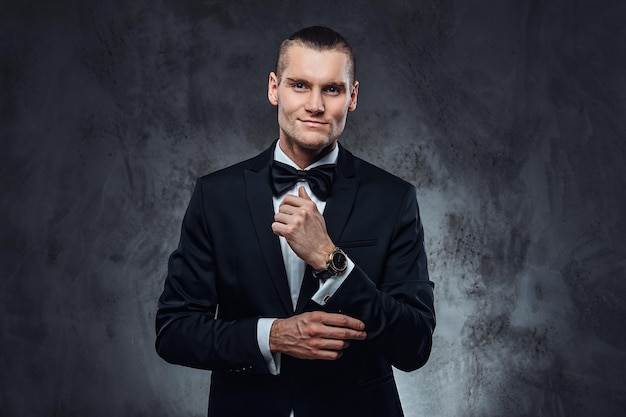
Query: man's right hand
315	335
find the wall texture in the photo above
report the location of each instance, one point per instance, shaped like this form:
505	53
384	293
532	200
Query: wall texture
507	115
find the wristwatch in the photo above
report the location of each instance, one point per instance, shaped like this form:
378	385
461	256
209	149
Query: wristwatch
337	263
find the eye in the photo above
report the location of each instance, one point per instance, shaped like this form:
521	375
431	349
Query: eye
299	86
332	89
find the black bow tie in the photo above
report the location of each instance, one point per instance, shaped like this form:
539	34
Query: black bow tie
283	177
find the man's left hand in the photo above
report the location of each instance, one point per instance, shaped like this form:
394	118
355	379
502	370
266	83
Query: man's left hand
304	228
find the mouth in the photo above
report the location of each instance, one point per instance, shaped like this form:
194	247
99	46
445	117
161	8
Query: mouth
313	123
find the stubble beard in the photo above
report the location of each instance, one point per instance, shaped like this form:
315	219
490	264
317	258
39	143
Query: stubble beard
307	142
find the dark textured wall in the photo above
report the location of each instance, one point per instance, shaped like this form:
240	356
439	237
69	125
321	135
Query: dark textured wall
507	115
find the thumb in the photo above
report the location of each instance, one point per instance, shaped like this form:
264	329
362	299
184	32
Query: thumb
302	193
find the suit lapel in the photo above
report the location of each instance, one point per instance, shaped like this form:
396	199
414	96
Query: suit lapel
307	289
342	195
259	195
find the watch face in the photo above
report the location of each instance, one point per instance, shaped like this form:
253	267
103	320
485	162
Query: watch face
339	261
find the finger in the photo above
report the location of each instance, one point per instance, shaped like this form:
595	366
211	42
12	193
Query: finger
303	194
282	218
298	201
287	209
341	320
294	200
289	200
279	229
327	355
330	344
342	333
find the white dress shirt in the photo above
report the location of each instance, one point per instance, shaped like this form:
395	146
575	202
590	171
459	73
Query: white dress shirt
294	266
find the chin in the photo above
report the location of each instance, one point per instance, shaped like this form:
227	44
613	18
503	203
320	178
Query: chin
313	143
319	145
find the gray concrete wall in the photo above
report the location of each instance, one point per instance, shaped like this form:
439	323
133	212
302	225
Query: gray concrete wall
507	115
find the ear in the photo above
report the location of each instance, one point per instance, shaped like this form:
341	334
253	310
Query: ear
353	96
272	89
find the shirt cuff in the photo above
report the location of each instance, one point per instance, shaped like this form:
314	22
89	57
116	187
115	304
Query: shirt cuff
330	287
272	360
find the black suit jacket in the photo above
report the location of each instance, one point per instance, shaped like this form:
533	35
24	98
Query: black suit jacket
228	271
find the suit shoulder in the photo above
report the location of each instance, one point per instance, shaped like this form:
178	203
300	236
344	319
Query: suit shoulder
371	174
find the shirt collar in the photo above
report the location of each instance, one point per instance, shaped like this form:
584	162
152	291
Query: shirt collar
280	156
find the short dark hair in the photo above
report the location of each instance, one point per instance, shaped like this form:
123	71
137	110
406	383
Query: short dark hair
319	38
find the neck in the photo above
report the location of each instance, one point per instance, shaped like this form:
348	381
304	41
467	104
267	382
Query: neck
303	157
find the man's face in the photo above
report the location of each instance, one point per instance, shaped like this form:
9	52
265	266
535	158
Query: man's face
314	96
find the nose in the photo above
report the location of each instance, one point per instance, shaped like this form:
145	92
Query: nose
315	102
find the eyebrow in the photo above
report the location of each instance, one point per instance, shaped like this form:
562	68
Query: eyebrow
339	84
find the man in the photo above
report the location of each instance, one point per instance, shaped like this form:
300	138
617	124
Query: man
295	312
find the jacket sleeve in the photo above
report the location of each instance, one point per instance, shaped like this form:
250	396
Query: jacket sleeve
188	328
396	307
